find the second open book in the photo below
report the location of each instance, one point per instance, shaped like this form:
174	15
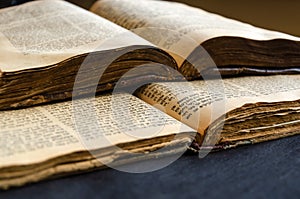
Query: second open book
69	137
46	44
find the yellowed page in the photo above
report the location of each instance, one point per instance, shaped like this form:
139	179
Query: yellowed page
37	134
168	24
42	33
199	103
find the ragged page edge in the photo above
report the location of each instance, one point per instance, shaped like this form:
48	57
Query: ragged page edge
201	119
176	146
178	28
64	127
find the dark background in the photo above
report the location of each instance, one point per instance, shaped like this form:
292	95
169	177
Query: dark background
281	15
266	170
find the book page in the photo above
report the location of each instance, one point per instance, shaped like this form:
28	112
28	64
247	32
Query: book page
38	134
199	103
42	33
179	22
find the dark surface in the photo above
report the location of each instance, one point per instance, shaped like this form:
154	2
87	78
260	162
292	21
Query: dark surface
7	3
266	170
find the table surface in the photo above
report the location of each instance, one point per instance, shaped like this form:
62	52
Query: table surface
265	170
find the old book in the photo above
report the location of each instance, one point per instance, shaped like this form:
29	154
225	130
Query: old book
59	139
47	42
241	111
161	118
48	141
44	43
235	47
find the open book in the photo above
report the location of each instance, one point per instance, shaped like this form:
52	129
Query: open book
112	130
45	44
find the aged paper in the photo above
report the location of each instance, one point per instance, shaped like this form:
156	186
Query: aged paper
42	33
37	134
200	24
199	103
176	27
